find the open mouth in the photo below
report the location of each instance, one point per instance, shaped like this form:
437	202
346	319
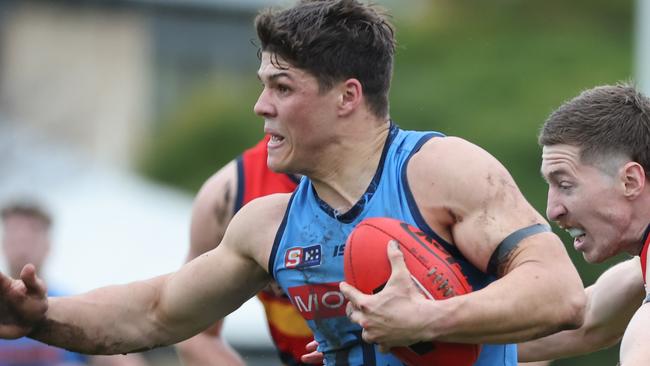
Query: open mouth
276	139
578	236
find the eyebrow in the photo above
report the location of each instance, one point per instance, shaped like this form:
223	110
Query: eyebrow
277	75
553	175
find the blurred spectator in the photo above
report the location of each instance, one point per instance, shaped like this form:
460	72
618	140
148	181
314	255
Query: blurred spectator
26	239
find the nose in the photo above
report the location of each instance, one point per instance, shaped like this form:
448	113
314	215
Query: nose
263	106
555	209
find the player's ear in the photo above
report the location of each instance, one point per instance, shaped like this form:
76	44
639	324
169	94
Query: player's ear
350	96
634	177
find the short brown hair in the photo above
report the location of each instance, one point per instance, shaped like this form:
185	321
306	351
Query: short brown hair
29	209
334	40
603	121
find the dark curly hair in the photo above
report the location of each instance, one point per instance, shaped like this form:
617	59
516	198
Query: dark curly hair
334	40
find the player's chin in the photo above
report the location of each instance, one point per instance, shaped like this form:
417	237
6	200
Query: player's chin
593	257
278	165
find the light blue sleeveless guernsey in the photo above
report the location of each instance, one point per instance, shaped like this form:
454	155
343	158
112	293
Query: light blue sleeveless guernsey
307	256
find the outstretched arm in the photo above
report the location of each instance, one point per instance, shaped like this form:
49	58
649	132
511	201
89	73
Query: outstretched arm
213	209
470	199
157	312
611	303
23	303
173	307
30	299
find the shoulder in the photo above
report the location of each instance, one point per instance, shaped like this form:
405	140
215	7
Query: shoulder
631	266
214	187
217	195
626	274
453	163
625	278
213	209
465	194
254	227
453	152
215	201
269	205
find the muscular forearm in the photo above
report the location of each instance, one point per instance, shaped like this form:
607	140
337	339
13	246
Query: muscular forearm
561	345
515	308
612	301
591	337
109	320
160	311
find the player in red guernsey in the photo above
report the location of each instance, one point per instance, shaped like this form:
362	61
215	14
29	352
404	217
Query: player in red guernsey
596	160
222	195
325	69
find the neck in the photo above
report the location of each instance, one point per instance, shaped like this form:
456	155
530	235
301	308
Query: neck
641	222
343	178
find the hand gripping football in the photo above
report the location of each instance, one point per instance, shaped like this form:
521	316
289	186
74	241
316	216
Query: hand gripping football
432	268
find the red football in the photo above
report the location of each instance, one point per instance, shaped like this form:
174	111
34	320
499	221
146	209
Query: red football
367	268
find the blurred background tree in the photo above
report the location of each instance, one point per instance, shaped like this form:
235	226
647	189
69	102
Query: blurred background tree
490	72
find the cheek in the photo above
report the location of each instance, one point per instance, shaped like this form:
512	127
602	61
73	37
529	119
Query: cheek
305	131
588	203
298	118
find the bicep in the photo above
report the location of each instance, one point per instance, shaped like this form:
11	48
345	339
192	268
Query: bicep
489	220
214	284
208	288
212	210
482	199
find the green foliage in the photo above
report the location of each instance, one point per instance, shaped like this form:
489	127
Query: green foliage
211	128
489	71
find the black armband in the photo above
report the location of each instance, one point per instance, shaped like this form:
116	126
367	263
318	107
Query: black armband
511	241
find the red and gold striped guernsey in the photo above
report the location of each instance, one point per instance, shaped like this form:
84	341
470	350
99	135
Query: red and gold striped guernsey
288	329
